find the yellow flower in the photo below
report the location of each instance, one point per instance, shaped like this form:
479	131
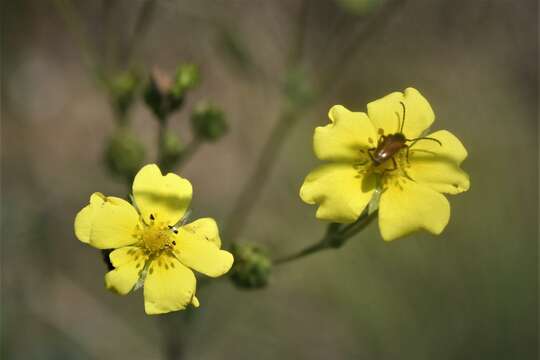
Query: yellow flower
152	244
367	157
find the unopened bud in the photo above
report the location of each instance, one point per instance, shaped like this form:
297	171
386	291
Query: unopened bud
208	122
124	154
123	88
252	266
158	95
298	88
171	149
187	76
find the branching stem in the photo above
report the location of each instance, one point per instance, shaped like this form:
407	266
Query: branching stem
336	236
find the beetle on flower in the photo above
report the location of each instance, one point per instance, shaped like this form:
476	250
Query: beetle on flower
384	151
152	245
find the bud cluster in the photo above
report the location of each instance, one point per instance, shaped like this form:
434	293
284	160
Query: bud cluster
165	94
252	266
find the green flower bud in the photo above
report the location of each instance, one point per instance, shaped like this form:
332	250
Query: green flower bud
359	7
171	149
124	154
298	88
123	88
187	77
208	122
252	266
158	95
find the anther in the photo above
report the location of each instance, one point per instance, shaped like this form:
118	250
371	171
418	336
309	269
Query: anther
152	217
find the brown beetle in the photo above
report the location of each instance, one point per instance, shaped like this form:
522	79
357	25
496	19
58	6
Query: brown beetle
391	144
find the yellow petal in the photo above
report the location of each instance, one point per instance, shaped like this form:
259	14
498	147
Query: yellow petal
339	190
169	286
165	197
196	248
343	139
85	217
126	255
387	113
107	222
410	207
129	262
437	166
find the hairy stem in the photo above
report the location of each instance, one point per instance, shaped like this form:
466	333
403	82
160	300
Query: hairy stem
335	237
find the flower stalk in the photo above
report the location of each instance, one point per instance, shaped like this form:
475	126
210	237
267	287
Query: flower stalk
335	237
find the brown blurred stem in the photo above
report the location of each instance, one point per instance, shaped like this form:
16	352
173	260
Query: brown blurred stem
75	26
252	190
142	24
347	55
335	237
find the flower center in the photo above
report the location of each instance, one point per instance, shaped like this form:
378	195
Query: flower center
389	171
155	239
156	236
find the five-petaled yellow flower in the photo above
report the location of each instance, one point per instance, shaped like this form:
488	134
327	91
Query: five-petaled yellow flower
411	171
152	244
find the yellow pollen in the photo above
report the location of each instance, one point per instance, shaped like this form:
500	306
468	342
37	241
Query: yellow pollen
156	238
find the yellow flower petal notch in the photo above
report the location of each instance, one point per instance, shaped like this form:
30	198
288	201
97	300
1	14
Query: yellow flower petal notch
153	246
386	151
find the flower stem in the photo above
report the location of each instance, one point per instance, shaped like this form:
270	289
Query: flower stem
75	25
252	190
160	140
190	150
335	237
142	24
347	55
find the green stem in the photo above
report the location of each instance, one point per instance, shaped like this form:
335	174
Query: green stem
190	150
161	140
336	236
74	23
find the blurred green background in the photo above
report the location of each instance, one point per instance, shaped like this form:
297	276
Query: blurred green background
470	293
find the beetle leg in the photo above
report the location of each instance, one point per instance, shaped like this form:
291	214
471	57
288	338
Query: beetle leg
407	154
390	170
370	154
395	164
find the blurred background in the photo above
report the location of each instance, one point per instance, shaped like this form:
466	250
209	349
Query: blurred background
274	68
